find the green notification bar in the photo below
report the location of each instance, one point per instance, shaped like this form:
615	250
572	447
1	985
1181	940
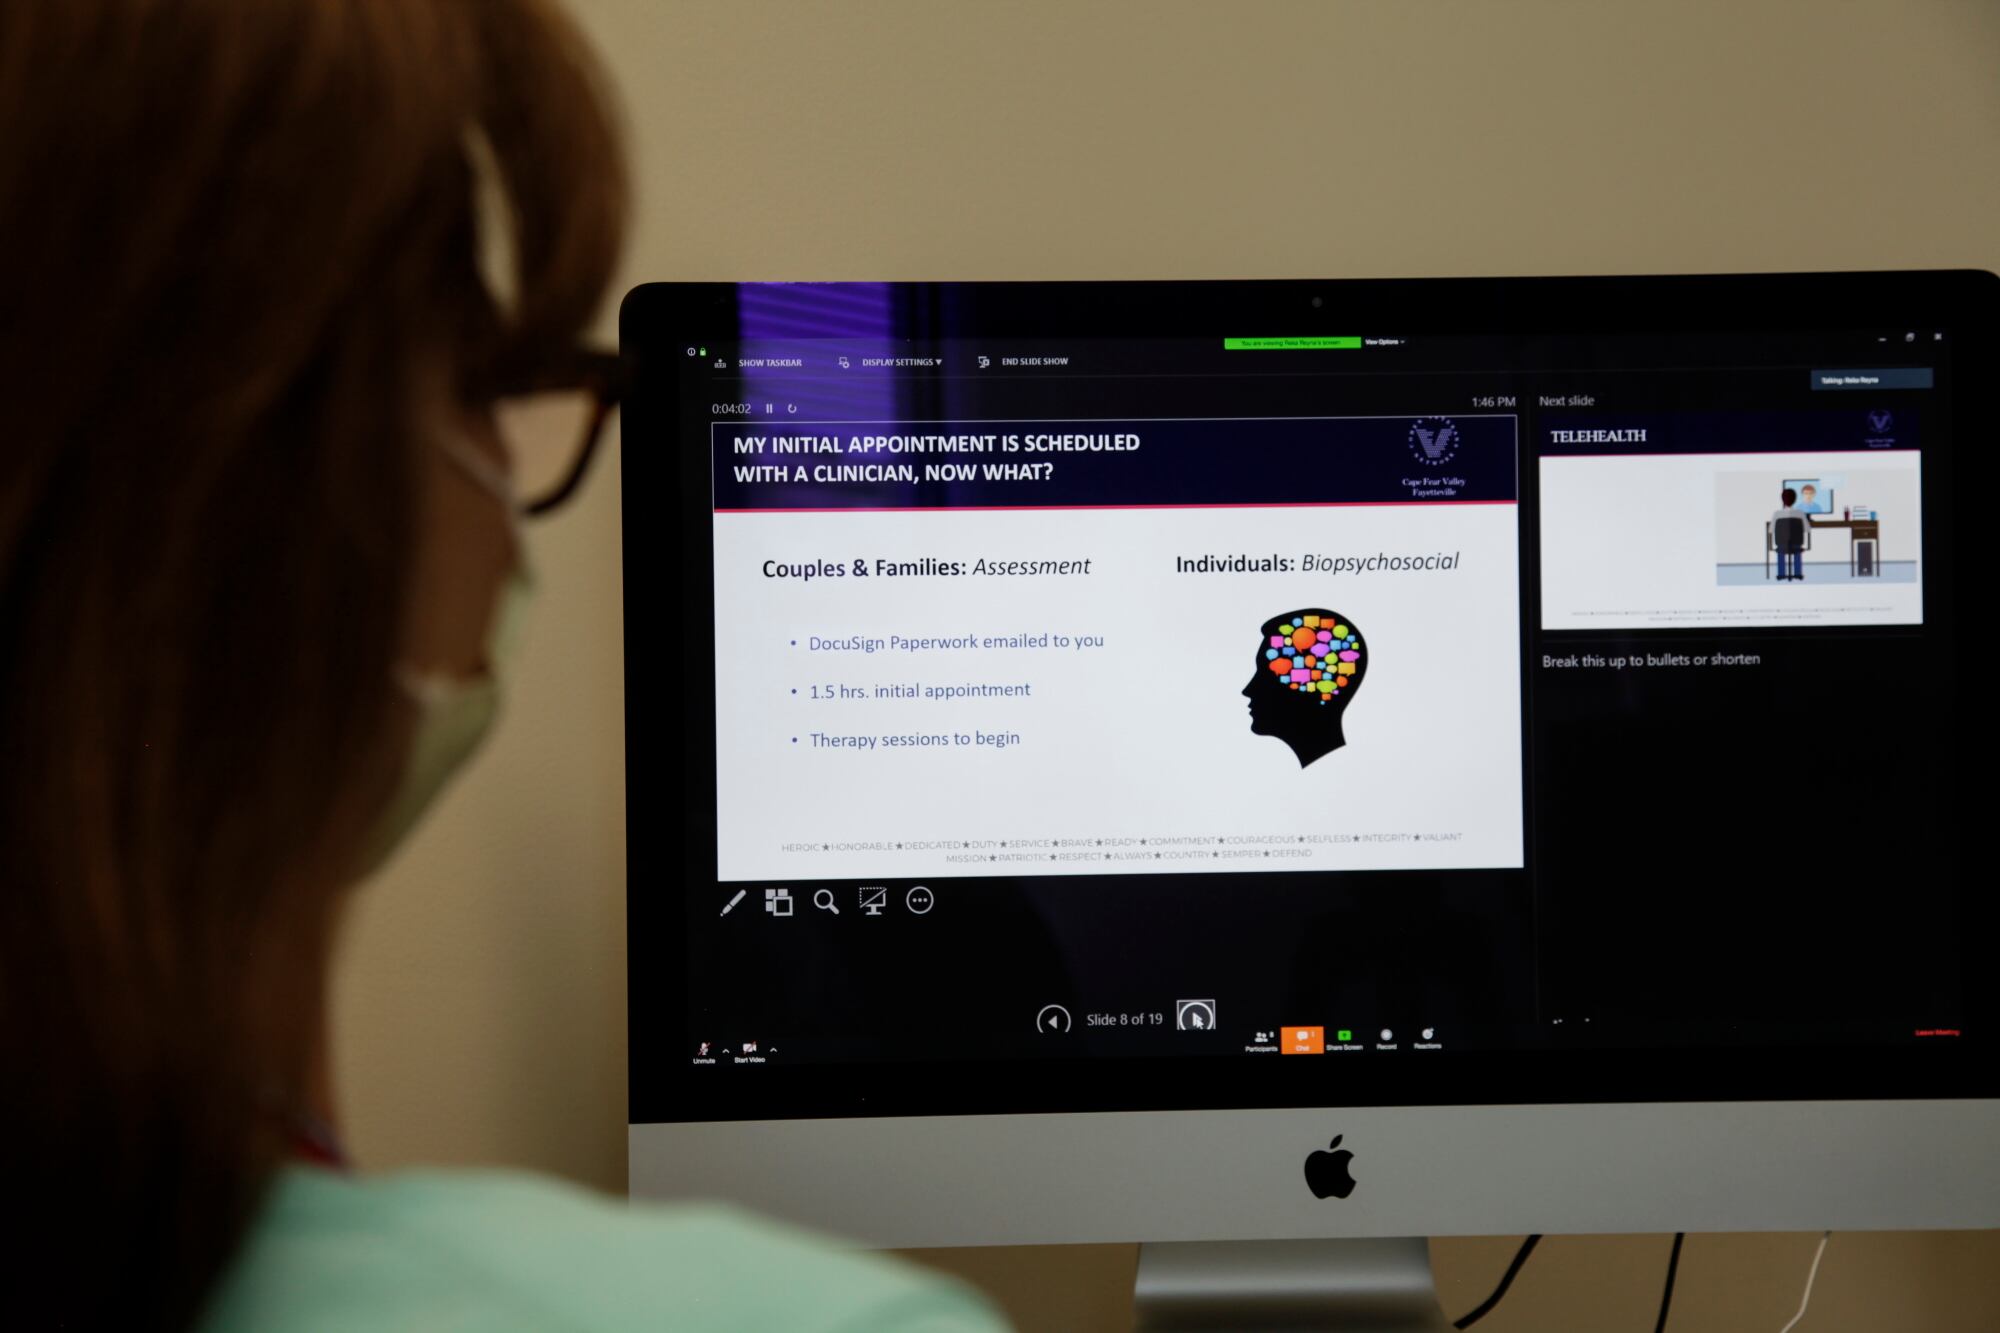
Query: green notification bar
1287	344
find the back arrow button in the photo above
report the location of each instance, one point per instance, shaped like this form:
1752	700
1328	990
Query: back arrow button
1053	1018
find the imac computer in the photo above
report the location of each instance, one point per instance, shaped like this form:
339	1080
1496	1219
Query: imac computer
1199	763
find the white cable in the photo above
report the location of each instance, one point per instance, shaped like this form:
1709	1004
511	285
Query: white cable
1806	1298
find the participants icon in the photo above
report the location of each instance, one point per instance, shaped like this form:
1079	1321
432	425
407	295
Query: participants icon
1309	665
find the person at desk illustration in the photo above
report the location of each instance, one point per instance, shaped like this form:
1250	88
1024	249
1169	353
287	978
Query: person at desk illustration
1788	535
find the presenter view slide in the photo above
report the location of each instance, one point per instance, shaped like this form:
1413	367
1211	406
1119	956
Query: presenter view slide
1061	679
1661	520
1141	645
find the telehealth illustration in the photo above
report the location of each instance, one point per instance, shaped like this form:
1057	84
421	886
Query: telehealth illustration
1677	520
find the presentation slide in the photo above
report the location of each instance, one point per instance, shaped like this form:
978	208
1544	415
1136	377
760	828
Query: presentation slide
1720	519
1070	647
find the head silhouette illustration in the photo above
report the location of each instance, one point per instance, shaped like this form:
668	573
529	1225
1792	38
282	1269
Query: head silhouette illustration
1309	664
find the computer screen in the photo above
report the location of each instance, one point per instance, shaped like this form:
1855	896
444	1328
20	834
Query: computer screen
1136	698
1814	495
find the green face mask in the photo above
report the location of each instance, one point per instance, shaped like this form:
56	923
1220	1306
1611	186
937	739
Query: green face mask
454	714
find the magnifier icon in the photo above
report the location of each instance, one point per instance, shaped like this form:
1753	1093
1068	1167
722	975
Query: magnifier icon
823	899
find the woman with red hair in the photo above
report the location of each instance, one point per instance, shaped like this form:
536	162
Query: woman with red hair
266	269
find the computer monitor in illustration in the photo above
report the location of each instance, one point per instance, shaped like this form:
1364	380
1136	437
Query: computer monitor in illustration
1814	496
1099	775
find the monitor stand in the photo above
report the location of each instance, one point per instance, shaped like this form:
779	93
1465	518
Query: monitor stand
1352	1286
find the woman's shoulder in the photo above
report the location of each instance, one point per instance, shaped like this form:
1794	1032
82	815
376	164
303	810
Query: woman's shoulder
493	1252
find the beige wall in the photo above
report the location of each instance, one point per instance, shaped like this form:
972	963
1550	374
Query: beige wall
480	1014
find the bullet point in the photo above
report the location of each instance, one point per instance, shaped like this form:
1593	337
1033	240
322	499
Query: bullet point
794	691
795	740
795	643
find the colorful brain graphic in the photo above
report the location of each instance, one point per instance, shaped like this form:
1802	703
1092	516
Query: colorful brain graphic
1315	655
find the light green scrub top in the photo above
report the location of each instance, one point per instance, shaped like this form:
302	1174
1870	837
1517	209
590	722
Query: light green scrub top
494	1252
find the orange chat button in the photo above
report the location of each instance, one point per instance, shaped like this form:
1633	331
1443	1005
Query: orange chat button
1302	1041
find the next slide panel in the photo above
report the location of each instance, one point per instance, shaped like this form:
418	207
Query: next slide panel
1076	647
1673	520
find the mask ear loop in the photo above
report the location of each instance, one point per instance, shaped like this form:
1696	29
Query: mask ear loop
496	254
497	250
482	471
425	689
490	477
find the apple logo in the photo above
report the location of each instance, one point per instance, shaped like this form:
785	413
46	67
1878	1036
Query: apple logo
1326	1171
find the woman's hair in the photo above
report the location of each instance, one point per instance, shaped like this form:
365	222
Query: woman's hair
237	251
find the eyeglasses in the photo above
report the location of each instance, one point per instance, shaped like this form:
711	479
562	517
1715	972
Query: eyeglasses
551	419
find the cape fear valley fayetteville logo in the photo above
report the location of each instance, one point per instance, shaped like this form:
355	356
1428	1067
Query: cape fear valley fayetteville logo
1433	439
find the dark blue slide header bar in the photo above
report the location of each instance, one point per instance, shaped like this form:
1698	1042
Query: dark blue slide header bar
1117	464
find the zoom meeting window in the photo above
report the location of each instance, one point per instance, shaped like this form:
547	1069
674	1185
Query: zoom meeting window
1073	667
1369	697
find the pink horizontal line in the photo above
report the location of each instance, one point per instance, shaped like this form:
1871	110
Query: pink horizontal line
1738	453
1016	509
